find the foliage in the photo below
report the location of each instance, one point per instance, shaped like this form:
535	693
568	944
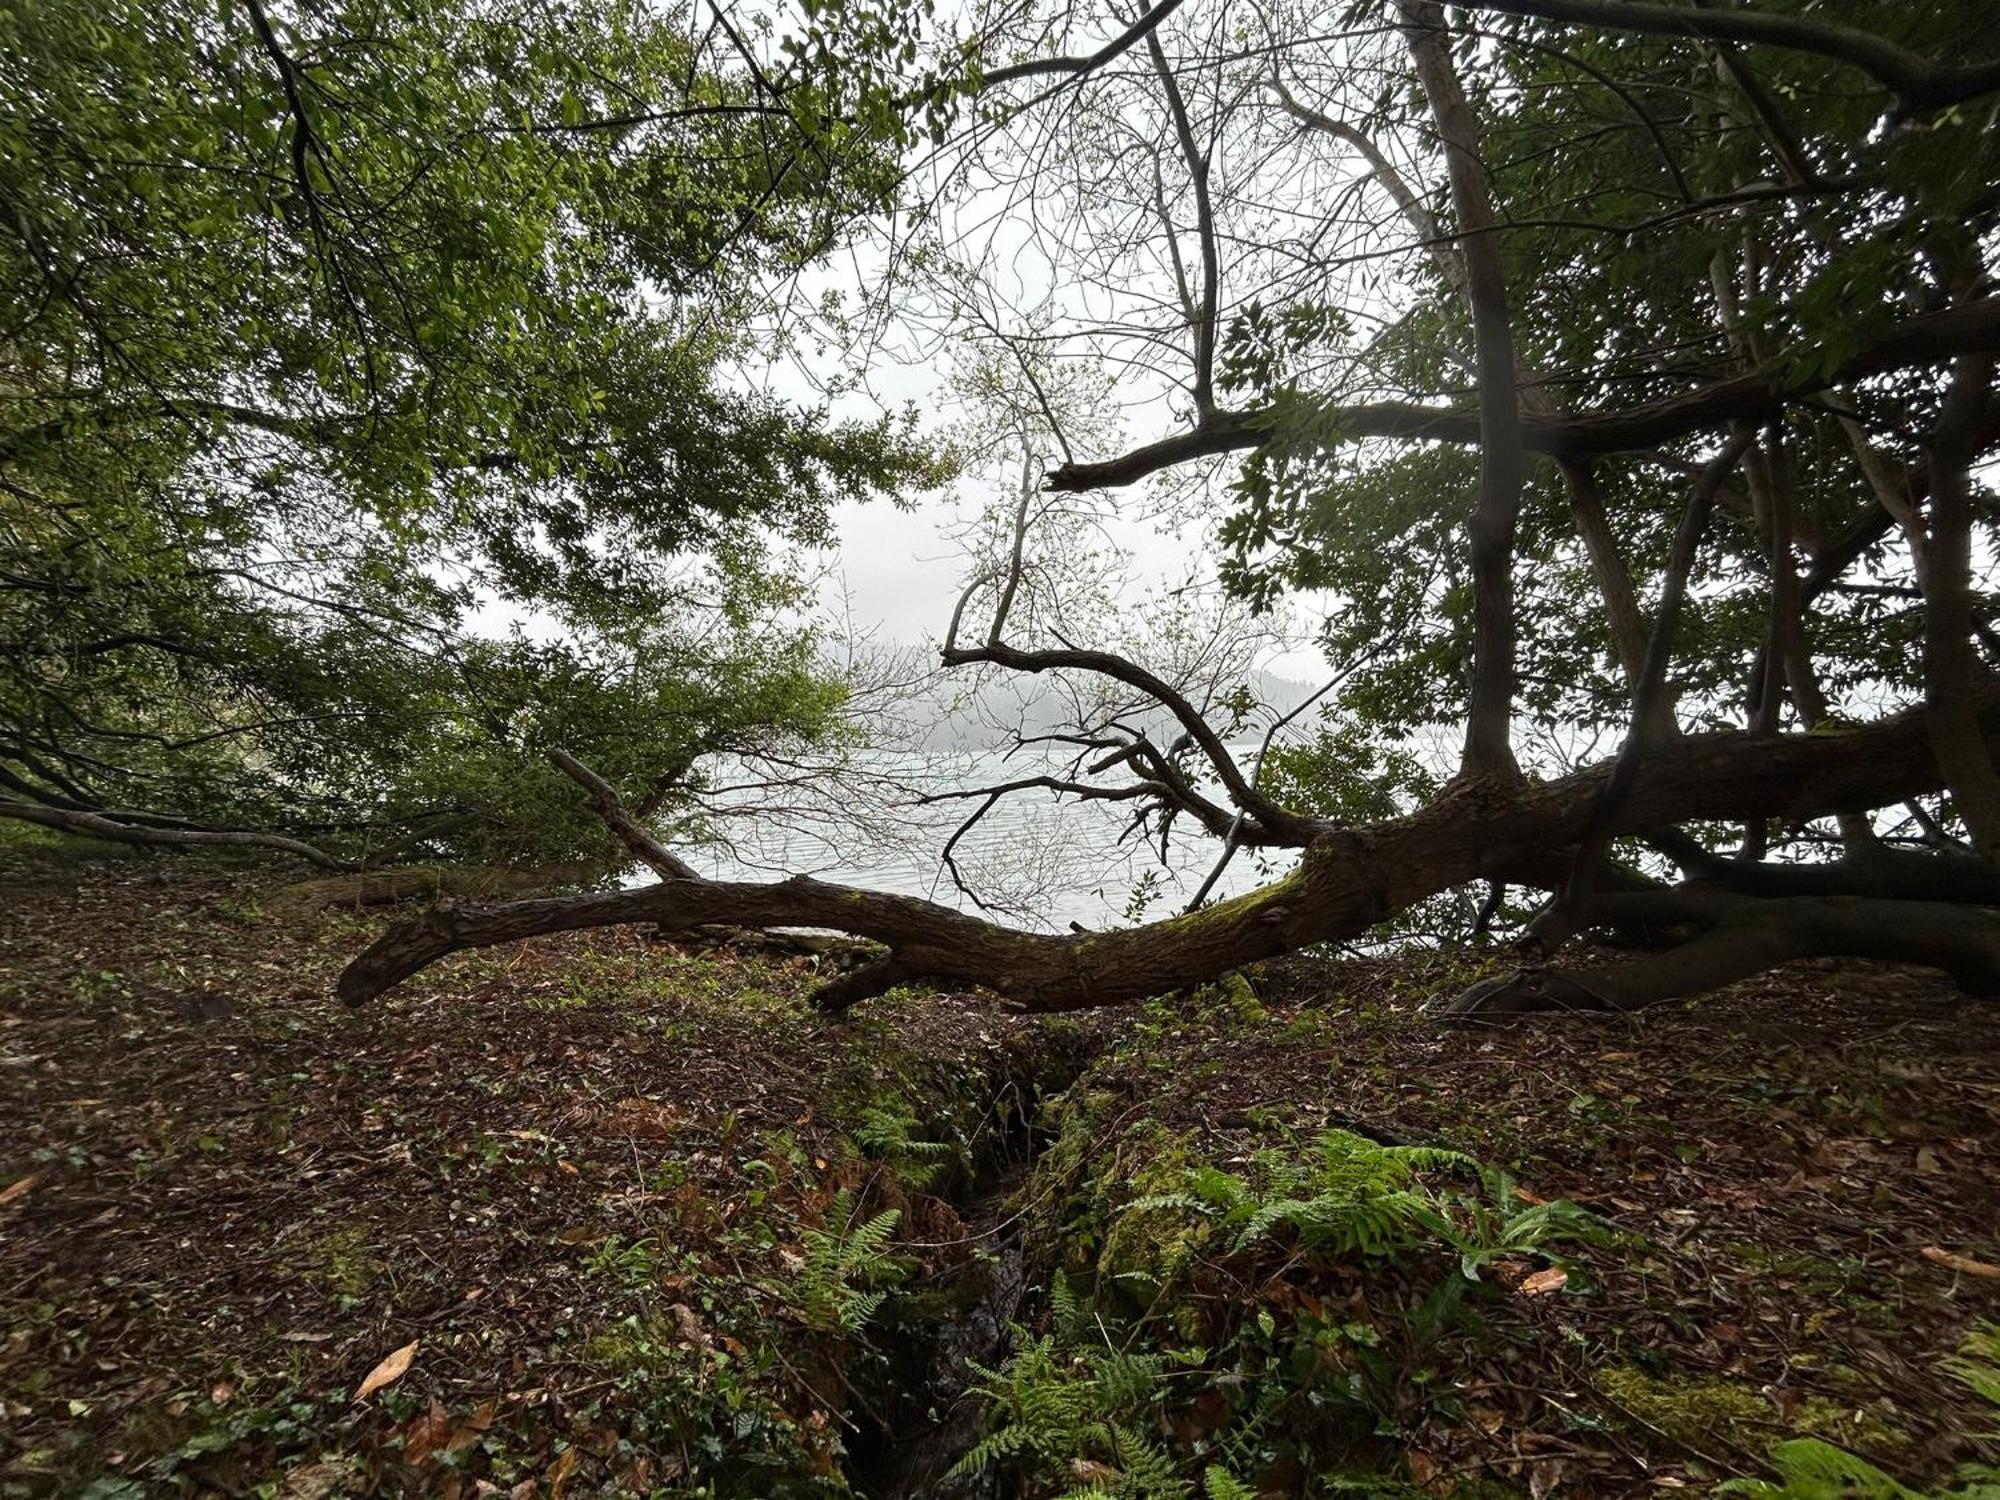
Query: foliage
1811	1469
848	1268
887	1128
1173	1365
369	424
1353	1196
1070	1405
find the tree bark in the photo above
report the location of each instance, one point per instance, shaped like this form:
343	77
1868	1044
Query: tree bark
1926	339
1347	880
1502	460
1950	667
1750	937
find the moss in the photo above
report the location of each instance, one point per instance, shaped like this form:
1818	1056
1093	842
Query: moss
1849	1426
1699	1411
1241	998
342	1262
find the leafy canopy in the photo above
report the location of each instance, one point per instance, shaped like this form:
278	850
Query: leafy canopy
368	415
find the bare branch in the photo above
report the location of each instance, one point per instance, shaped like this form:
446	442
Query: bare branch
649	851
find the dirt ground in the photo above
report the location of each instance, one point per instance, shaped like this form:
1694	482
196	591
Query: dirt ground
601	1215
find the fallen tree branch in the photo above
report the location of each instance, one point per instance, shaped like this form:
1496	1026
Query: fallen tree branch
97	826
1749	937
1346	882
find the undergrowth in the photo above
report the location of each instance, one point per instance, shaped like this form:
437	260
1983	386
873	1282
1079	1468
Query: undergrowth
1187	1352
1812	1469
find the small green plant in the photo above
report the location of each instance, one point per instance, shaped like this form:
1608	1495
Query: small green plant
1809	1469
631	1263
1353	1196
887	1129
1072	1405
847	1269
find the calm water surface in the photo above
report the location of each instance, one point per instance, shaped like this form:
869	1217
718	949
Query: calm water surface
1044	862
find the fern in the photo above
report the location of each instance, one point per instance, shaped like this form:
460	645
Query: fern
887	1130
1062	1410
1220	1484
1977	1362
1809	1469
1812	1470
840	1284
1355	1196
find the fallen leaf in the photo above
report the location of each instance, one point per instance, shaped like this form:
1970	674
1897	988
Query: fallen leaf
1964	1264
221	1391
392	1369
689	1325
19	1188
559	1472
1927	1162
426	1434
1554	1279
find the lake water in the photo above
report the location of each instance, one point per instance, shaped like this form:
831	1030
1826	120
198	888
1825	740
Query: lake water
1039	860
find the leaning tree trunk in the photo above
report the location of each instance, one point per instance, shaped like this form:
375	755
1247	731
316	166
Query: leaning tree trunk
1348	880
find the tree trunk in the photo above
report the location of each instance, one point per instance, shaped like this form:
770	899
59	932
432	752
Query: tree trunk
1750	937
1346	882
1950	667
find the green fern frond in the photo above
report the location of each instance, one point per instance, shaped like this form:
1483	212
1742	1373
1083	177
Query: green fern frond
839	1283
1977	1362
1812	1470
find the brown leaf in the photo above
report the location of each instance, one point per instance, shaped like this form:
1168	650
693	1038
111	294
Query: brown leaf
689	1325
559	1472
19	1188
426	1434
1963	1264
1542	1283
392	1369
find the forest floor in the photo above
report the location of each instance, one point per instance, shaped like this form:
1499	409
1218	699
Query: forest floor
603	1215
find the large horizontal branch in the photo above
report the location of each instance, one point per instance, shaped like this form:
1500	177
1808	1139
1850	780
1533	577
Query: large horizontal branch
1345	883
1916	81
1929	338
1748	937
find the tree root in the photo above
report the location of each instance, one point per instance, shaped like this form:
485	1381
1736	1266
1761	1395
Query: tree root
1748	937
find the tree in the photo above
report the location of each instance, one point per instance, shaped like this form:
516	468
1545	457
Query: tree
338	333
1606	363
